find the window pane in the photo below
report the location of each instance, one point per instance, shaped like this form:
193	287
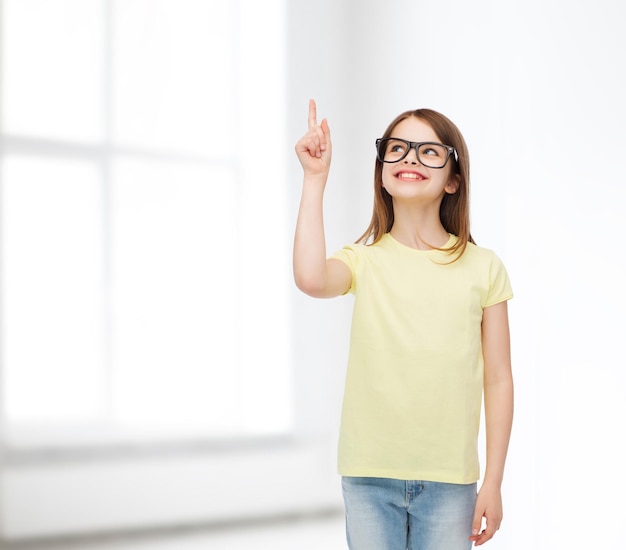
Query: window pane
52	295
170	313
52	68
175	295
173	75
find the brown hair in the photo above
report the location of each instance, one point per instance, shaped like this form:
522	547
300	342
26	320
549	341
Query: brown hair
454	209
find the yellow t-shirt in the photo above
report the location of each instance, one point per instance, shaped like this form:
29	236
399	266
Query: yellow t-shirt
413	391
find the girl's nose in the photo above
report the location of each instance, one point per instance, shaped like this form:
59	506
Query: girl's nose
411	156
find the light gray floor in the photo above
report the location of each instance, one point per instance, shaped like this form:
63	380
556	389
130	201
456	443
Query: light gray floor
320	533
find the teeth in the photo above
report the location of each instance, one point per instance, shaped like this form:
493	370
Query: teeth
407	175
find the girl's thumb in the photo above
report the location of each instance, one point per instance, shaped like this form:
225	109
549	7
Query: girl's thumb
476	524
325	128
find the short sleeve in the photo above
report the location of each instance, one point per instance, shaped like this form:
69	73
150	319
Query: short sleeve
499	284
350	256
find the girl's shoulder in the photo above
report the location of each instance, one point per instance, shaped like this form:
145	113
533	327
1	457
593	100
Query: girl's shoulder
484	260
480	252
473	248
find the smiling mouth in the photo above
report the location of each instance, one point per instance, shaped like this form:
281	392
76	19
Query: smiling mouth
413	176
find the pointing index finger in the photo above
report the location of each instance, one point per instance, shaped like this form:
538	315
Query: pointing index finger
312	114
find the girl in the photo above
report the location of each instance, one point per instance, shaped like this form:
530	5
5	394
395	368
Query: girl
429	334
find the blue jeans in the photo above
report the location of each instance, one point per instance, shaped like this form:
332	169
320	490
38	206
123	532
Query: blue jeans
392	514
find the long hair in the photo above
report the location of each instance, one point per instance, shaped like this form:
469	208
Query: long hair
454	209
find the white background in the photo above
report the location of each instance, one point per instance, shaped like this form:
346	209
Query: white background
536	87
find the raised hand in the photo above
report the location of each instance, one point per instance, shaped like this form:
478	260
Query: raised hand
314	274
314	148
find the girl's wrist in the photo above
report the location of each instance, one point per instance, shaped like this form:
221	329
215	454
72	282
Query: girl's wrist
492	480
315	182
316	176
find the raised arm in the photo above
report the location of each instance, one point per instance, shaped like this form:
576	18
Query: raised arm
314	274
498	389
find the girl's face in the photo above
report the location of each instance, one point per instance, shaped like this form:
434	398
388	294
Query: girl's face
411	180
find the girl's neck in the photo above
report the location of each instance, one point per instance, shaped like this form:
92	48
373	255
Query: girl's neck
418	228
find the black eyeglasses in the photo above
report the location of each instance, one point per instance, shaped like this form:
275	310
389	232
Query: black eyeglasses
430	154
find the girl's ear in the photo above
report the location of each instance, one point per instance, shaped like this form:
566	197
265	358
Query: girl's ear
453	184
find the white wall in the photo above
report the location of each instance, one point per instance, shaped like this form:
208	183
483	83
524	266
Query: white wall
536	88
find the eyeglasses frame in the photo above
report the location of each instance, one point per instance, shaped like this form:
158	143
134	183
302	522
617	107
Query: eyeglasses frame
416	145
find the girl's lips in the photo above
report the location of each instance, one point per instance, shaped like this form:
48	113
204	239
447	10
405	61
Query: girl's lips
410	175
